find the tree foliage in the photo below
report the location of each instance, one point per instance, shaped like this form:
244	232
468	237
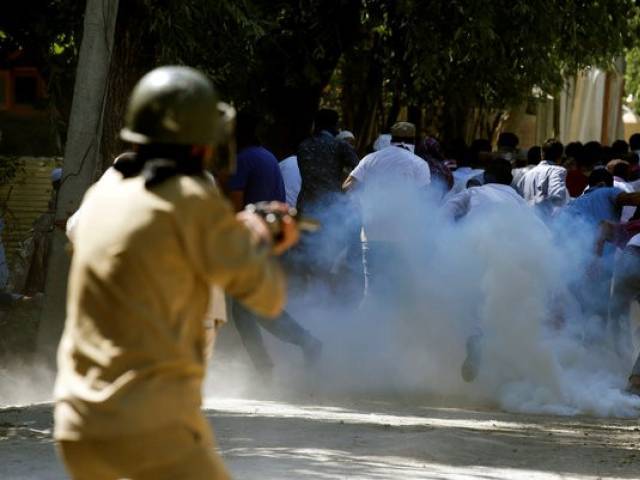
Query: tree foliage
441	58
456	55
632	77
272	57
49	31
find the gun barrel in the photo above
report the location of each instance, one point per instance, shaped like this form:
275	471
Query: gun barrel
308	224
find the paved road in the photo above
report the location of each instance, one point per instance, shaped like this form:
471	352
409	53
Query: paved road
371	440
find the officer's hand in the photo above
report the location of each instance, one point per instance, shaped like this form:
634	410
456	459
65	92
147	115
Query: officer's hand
289	235
257	226
276	217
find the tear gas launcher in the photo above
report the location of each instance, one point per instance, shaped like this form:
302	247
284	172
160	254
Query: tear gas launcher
273	218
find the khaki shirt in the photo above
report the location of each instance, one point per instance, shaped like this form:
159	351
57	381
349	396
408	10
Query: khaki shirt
131	355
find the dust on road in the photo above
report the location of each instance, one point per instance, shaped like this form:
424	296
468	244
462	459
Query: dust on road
367	439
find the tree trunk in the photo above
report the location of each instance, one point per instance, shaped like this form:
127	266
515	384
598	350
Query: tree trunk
394	111
288	81
362	91
133	56
414	115
454	121
292	111
82	156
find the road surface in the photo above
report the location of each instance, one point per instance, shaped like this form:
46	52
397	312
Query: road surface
367	439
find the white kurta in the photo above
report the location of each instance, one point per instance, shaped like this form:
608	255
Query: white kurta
388	180
627	187
544	187
477	198
461	176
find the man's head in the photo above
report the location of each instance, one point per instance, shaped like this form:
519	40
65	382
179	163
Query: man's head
534	155
478	148
620	149
634	142
552	150
172	105
327	120
56	183
246	130
456	149
619	168
573	150
508	141
592	154
177	107
607	154
403	132
429	149
498	171
480	145
56	178
347	136
600	177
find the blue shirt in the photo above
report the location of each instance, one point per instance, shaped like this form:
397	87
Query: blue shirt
596	205
258	175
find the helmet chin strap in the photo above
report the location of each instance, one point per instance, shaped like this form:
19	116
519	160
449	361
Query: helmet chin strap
156	168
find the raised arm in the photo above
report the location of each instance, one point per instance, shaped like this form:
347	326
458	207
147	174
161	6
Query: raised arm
628	199
606	233
558	193
229	252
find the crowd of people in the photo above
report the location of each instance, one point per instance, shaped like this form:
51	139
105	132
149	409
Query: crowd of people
168	238
591	187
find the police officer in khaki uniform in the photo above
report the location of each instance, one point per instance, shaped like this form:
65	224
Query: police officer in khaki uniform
152	239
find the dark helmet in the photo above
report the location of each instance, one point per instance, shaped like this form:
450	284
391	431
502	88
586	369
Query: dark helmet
176	105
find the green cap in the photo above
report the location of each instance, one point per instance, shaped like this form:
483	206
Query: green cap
403	130
174	105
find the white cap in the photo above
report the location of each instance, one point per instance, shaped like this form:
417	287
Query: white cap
345	135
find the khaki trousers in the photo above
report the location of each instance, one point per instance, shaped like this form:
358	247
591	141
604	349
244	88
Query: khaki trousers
166	454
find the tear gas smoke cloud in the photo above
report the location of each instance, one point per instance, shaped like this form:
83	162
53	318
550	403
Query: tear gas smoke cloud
500	270
24	382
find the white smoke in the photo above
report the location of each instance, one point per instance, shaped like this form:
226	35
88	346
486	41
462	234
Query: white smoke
25	382
500	271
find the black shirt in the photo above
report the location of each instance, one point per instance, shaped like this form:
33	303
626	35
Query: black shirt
324	163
